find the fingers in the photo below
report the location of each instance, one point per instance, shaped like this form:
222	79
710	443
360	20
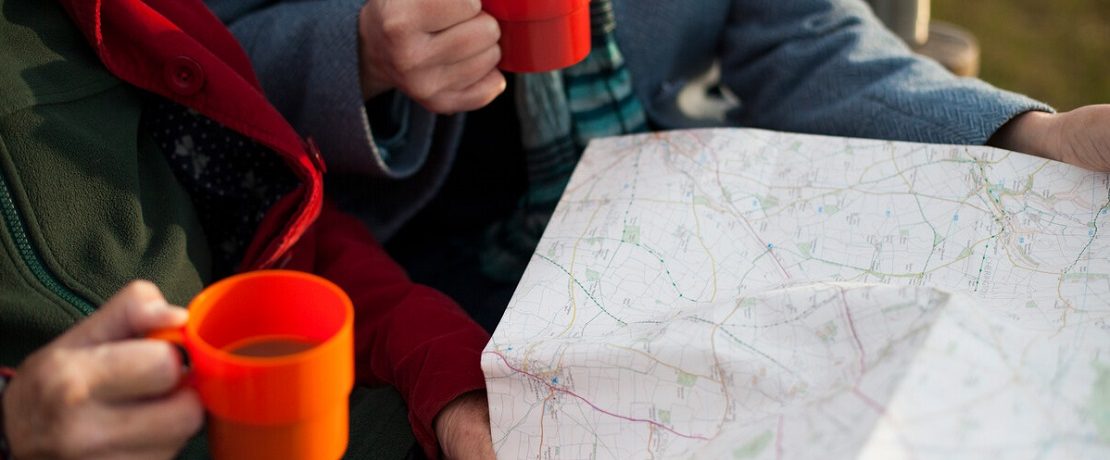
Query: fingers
132	370
438	15
151	429
177	416
465	74
444	60
94	392
473	97
466	40
55	397
461	86
136	309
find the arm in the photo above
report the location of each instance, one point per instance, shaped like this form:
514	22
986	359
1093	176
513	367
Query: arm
829	66
407	335
320	61
1080	137
306	55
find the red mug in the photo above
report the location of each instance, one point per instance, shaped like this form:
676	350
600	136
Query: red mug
541	35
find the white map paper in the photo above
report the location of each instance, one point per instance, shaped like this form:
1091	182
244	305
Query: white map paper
749	294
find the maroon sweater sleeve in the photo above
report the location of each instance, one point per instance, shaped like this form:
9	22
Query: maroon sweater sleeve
406	335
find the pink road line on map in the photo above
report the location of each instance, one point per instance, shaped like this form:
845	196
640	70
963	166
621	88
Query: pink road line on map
564	390
870	402
855	336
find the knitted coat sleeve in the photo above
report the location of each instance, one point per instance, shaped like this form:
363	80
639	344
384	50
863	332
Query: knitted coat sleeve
306	57
830	67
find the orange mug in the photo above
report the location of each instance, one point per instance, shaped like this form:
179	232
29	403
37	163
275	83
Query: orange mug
541	35
272	358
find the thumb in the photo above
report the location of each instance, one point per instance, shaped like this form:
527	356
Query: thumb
135	310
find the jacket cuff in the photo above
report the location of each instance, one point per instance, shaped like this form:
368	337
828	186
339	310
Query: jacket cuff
963	112
453	369
307	58
335	111
390	116
1019	107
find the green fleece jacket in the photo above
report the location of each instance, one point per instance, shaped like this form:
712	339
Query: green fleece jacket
87	202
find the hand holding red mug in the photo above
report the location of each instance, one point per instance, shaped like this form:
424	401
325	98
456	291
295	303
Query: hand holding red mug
441	53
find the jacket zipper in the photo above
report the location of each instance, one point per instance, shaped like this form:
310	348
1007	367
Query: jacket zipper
10	215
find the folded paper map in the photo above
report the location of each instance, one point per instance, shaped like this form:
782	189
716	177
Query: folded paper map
748	294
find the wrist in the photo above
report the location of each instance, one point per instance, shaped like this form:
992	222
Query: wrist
1033	132
457	408
463	427
371	79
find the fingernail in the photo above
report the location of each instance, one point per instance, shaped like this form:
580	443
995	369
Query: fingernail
177	313
162	308
153	307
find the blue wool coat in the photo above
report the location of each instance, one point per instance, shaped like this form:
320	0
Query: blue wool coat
814	66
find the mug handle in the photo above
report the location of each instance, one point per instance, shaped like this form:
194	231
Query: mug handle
176	337
173	335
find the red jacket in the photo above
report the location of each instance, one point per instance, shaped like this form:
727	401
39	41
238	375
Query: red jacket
407	335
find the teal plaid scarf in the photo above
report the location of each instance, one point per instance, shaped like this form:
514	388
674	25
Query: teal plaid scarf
560	112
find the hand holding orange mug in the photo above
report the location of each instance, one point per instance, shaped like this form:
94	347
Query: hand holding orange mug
272	357
99	390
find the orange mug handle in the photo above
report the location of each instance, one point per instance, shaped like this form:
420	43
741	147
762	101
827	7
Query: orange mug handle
176	337
173	335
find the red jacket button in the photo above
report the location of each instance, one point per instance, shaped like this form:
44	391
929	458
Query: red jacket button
184	75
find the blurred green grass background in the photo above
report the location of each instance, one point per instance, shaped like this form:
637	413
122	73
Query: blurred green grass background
1057	51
